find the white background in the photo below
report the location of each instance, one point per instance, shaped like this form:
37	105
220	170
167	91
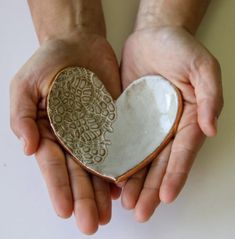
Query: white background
205	208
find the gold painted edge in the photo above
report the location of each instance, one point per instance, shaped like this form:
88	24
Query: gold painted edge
159	149
143	163
111	179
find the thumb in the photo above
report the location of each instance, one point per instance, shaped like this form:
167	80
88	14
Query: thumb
23	113
209	96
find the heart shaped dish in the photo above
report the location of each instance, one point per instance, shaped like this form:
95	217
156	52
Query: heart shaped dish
112	139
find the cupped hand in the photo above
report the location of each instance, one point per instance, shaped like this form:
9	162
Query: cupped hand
175	54
70	187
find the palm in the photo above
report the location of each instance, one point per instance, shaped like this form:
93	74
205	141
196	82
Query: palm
70	187
177	56
147	53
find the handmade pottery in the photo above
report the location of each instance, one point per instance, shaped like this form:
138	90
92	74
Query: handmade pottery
112	139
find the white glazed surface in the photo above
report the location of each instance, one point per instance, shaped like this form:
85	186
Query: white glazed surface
146	112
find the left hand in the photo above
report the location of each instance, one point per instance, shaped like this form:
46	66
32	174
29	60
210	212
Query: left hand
176	55
70	187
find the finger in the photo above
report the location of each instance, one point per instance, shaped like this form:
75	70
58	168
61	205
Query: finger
52	163
115	191
23	115
109	73
149	196
183	152
122	183
209	96
132	189
85	208
103	199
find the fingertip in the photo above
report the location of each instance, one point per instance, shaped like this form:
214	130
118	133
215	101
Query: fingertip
209	128
102	199
147	204
166	197
63	206
105	220
140	217
171	187
87	218
87	228
105	212
207	117
127	200
27	148
23	144
88	231
64	213
32	143
127	204
29	137
115	191
143	212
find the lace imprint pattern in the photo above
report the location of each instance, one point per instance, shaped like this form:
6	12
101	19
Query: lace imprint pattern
81	112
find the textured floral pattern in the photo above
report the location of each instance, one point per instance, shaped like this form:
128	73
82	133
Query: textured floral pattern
81	111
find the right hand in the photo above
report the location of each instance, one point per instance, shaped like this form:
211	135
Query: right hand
176	55
70	187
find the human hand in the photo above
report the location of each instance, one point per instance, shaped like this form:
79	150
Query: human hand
175	54
70	187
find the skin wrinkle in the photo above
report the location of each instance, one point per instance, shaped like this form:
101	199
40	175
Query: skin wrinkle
73	15
66	44
170	25
170	12
160	161
63	40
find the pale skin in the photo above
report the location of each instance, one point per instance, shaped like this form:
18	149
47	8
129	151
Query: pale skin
72	32
163	43
64	43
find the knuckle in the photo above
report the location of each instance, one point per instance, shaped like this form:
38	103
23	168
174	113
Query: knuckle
206	61
211	61
179	175
183	148
214	63
51	164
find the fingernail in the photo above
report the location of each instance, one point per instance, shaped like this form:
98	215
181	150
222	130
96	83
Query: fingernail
23	143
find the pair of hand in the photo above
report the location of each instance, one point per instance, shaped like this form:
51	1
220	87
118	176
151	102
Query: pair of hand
170	52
